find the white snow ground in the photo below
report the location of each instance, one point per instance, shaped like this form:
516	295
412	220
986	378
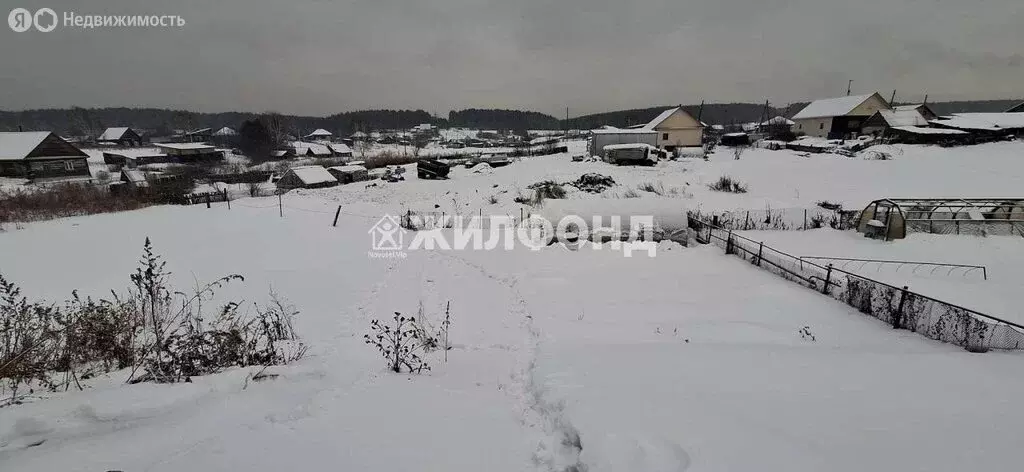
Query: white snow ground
691	360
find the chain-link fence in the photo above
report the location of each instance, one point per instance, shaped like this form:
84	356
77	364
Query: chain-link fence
897	306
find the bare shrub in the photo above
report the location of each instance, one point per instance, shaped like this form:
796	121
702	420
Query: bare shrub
399	344
728	184
255	188
493	200
162	334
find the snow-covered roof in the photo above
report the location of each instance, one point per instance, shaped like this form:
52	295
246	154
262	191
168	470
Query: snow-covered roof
130	152
778	120
828	107
225	131
903	117
660	118
199	131
112	134
185	146
340	148
358	134
302	148
612	130
136	177
983	121
1018	108
19	144
310	175
613	147
348	169
920	130
735	135
319	132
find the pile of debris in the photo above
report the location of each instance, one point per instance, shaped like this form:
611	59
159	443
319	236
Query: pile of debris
593	183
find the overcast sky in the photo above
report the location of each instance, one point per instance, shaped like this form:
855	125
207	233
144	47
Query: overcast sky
317	57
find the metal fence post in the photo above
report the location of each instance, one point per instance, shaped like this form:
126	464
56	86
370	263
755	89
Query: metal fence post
828	279
897	318
336	215
226	199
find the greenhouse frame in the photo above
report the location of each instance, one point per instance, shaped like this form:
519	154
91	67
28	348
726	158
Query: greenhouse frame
894	218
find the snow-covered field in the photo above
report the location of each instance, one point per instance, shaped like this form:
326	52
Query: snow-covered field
690	360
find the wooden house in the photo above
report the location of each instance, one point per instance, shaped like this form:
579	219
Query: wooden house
121	136
39	155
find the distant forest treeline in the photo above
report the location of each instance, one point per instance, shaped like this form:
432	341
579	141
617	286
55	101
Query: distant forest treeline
92	121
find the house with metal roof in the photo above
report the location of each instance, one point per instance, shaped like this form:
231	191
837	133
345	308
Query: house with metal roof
675	128
838	118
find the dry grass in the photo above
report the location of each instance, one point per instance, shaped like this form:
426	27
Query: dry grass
728	184
65	200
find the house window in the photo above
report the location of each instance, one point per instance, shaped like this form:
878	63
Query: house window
821	125
69	165
800	126
664	136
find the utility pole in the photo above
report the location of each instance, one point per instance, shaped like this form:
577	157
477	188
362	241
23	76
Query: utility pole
849	86
893	99
764	116
700	110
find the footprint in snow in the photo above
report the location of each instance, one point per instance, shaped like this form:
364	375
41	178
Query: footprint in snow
619	452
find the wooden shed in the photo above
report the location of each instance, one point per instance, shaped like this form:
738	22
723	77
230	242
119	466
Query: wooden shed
306	177
348	174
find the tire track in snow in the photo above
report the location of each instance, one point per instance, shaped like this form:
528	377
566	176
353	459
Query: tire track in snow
559	444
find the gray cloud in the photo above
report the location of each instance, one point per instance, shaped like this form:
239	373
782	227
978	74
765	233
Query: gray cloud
321	57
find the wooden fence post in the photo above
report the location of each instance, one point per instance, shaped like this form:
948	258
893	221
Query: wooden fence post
897	317
226	199
760	252
728	243
280	206
336	215
207	199
828	279
805	219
